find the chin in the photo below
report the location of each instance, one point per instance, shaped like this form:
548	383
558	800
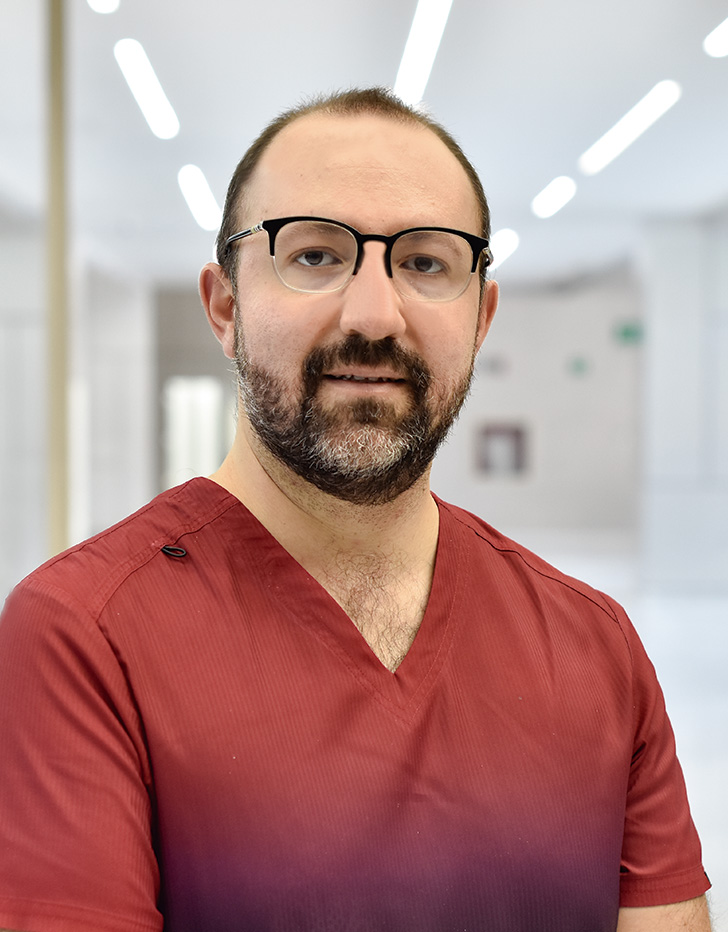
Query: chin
365	449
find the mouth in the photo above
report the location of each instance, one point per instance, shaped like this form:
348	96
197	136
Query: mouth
365	379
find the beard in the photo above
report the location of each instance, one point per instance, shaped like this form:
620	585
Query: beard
363	452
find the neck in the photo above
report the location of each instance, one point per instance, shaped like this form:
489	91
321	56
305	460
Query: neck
376	561
314	526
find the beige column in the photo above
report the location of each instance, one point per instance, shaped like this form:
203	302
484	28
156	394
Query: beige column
57	283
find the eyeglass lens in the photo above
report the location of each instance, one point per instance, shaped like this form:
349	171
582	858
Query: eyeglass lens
317	257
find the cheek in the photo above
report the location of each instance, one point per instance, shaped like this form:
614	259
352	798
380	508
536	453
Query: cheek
280	328
452	353
272	344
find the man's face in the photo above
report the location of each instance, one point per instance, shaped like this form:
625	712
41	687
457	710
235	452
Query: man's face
355	390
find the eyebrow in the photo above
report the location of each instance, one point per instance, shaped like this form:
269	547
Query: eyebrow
426	232
324	225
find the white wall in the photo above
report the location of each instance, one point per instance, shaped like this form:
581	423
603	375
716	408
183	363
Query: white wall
188	351
553	363
23	530
685	489
113	383
112	388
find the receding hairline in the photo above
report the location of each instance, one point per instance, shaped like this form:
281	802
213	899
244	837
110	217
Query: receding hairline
373	101
293	134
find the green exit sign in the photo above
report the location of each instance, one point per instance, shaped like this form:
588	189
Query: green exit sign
629	332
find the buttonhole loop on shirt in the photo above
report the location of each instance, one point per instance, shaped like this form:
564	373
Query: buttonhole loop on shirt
174	551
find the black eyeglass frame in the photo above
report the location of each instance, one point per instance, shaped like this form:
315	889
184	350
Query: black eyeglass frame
479	245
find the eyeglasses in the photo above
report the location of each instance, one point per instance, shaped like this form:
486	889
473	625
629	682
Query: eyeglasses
314	255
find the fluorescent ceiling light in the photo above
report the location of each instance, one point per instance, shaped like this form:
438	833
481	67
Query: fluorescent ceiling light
716	43
630	127
145	87
200	199
104	6
428	26
553	197
503	244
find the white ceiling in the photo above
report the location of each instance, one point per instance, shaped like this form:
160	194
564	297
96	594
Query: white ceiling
525	85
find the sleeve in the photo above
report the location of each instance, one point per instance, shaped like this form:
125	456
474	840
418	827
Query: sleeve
661	854
76	850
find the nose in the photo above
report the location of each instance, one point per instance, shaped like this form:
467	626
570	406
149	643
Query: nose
371	305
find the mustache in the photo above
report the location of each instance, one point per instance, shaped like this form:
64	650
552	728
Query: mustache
357	350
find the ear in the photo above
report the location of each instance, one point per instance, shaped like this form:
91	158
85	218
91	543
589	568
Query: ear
216	294
488	305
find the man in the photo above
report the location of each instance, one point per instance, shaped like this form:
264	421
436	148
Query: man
307	695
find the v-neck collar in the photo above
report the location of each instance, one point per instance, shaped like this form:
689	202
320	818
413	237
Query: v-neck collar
400	691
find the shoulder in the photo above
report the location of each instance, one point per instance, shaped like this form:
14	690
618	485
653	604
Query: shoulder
497	561
87	574
487	542
539	610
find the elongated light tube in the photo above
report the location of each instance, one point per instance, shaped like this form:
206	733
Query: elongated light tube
145	86
200	199
624	132
503	244
715	43
104	6
419	54
554	196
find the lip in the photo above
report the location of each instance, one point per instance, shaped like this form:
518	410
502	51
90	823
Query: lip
364	376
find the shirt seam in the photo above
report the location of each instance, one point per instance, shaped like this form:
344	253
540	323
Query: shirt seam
556	577
93	607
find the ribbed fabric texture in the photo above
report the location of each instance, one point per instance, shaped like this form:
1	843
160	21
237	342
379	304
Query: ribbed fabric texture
203	740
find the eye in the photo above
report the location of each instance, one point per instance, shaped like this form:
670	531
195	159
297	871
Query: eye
316	258
425	265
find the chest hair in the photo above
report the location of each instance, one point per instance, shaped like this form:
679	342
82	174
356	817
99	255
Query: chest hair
383	599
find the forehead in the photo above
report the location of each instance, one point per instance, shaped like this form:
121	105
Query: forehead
366	169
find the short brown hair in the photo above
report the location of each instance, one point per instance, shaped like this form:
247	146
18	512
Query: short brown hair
376	100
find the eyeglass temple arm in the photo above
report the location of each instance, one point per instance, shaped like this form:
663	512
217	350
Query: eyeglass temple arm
236	236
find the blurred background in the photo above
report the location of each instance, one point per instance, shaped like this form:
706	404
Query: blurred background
597	430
